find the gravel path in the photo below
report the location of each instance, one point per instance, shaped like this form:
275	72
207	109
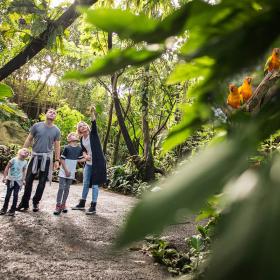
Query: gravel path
73	245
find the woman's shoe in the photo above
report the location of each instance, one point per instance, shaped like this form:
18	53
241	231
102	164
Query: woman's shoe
21	208
80	205
92	209
36	207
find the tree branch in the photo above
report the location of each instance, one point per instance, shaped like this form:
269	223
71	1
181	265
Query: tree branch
39	43
257	100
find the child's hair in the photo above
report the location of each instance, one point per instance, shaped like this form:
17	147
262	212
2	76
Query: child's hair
72	136
80	124
50	109
23	150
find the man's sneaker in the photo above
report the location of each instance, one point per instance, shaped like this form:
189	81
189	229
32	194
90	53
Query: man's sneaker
80	205
57	210
3	211
21	208
63	208
11	212
92	209
35	207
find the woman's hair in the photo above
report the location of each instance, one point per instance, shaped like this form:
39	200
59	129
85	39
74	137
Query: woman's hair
80	124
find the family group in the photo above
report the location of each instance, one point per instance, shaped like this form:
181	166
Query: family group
45	157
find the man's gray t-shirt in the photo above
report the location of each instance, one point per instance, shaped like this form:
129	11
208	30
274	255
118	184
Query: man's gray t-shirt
44	137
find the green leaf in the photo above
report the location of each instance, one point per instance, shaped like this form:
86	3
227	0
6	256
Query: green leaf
139	27
26	38
247	244
202	231
9	110
5	91
98	109
200	67
196	243
115	60
195	115
136	27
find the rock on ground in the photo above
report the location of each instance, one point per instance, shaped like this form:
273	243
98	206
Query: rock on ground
73	245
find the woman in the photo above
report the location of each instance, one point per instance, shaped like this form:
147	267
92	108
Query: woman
95	169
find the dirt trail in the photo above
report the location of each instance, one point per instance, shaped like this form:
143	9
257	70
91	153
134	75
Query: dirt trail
73	245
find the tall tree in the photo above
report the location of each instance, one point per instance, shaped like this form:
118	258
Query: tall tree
149	169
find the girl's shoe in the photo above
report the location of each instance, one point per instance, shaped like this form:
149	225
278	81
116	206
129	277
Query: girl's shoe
3	211
63	208
92	209
57	210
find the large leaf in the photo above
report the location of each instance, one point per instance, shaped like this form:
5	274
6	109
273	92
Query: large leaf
184	192
247	245
5	91
139	27
116	60
197	68
126	24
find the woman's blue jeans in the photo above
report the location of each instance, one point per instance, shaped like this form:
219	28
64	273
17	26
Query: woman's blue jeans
86	182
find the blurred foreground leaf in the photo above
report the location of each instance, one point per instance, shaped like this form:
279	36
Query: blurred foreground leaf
139	27
114	61
184	192
248	243
5	91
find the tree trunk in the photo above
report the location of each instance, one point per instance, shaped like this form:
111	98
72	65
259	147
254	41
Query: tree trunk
131	149
116	148
39	43
117	138
110	45
114	80
149	169
108	128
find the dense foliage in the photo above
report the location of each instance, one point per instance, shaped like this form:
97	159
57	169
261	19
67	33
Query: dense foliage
158	73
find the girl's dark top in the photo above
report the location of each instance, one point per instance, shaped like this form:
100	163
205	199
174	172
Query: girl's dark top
99	172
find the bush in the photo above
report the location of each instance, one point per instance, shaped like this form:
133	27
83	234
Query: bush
125	180
6	153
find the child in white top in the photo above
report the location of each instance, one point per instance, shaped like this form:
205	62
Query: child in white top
72	153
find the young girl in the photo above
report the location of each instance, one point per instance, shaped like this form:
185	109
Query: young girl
95	168
14	177
71	154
